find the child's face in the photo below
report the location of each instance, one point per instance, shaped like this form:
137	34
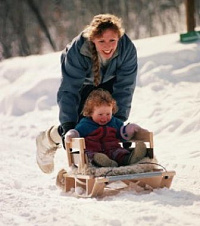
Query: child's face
102	114
107	43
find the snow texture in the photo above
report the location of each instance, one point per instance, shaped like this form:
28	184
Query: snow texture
166	101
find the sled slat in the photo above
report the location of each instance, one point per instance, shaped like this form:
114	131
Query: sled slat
141	175
144	135
76	153
97	189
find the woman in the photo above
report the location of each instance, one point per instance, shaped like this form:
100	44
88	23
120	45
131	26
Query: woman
102	56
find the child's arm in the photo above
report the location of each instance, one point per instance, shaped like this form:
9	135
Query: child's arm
82	129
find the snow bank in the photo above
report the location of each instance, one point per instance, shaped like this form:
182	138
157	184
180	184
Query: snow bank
166	101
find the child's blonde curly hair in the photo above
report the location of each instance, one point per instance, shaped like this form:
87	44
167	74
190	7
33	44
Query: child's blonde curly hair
98	98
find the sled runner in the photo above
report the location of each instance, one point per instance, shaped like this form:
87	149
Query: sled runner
90	181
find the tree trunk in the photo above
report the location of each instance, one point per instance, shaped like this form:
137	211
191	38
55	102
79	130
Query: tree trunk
42	23
190	20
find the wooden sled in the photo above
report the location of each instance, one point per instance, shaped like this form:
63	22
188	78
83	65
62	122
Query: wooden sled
94	186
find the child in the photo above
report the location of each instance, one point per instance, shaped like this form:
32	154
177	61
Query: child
103	132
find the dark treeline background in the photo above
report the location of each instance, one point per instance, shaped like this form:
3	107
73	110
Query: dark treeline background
40	26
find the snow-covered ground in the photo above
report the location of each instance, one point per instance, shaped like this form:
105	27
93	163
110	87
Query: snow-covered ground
166	101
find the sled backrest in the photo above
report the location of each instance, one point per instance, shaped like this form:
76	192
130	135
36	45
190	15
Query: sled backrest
145	136
76	153
76	149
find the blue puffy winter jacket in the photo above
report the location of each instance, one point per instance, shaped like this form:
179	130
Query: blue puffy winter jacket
77	73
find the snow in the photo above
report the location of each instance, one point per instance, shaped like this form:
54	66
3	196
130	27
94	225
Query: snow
166	101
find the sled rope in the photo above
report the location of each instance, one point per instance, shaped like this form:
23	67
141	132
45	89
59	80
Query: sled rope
153	163
105	175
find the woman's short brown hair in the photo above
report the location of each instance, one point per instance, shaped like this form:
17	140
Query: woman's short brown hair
97	98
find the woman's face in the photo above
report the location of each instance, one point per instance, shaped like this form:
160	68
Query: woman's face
107	43
102	114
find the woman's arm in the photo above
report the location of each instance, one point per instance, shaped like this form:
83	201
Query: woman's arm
125	83
73	68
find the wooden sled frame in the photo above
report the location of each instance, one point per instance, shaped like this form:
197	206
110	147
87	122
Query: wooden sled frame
98	185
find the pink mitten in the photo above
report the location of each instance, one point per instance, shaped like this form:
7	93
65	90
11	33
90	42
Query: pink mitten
72	133
128	131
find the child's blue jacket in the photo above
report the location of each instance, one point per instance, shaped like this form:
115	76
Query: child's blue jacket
100	138
86	126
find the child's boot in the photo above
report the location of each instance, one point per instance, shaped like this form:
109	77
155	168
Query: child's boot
138	153
47	143
103	160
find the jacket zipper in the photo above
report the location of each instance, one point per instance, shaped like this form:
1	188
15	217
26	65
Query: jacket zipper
102	142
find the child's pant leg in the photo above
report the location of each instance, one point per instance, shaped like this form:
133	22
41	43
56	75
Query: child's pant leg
118	155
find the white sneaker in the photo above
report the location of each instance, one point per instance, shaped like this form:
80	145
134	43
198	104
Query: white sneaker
46	149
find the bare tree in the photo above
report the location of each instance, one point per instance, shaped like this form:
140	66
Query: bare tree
36	11
13	37
35	26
